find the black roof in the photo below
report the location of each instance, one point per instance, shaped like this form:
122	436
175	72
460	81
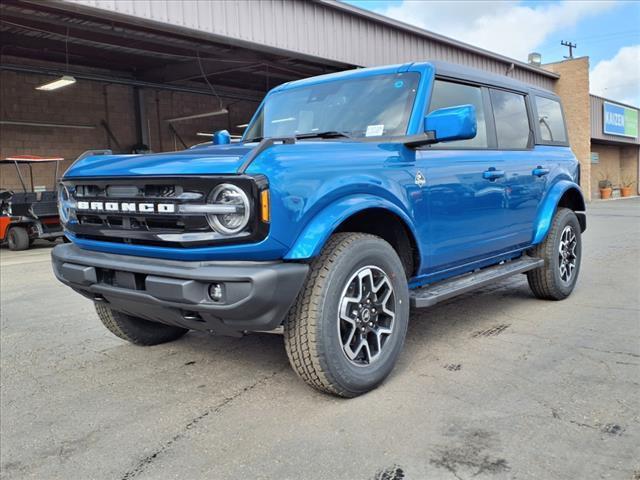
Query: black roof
453	70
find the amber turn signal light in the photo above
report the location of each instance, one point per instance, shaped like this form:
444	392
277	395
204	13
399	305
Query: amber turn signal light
265	214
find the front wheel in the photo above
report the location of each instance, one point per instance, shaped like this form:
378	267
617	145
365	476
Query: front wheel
562	252
136	330
345	332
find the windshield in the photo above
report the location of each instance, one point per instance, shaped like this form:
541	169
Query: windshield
378	105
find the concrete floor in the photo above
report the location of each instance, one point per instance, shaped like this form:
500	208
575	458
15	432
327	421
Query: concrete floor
495	384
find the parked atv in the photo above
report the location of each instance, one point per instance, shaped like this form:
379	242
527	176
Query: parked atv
29	215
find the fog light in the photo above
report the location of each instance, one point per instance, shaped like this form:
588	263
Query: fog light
216	292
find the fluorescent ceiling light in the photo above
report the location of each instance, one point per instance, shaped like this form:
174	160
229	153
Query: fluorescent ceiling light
222	111
63	81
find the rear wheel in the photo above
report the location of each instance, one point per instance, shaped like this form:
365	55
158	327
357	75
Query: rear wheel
136	330
562	252
18	238
347	328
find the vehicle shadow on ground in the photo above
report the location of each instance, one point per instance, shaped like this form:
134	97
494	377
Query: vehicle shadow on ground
454	321
254	345
485	312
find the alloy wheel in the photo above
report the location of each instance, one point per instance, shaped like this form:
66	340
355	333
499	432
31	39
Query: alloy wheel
366	315
567	256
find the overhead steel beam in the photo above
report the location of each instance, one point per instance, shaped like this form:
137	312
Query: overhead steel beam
98	33
46	125
97	40
251	68
73	8
185	71
249	96
79	55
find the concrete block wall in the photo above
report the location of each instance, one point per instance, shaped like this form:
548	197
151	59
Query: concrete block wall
630	166
618	164
90	103
608	167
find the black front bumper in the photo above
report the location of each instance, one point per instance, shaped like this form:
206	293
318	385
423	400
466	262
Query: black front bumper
256	295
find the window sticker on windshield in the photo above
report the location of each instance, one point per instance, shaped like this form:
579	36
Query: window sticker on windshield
374	130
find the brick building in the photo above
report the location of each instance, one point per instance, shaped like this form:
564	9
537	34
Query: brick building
165	74
612	157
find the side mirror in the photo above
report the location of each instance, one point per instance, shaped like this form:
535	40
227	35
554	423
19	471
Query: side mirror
452	123
221	137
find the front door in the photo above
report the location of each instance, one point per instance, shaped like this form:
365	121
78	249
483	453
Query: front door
465	187
466	196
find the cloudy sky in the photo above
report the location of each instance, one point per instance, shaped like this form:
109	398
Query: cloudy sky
607	31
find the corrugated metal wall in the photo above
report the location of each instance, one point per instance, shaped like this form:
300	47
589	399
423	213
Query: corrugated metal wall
597	121
311	29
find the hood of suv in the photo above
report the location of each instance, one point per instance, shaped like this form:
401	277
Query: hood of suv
202	160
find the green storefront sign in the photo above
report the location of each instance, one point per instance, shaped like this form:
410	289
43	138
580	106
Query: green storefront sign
620	120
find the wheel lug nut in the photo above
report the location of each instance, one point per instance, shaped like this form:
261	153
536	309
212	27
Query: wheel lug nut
371	324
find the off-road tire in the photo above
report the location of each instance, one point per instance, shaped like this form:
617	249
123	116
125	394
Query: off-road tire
545	282
136	330
18	238
311	330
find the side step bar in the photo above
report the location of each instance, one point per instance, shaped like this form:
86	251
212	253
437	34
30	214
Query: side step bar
437	292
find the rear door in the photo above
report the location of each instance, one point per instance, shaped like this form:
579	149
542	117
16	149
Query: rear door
525	169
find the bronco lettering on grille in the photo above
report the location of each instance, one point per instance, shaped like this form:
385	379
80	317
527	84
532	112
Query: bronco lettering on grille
127	207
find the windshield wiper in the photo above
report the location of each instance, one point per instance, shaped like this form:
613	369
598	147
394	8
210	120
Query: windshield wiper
328	134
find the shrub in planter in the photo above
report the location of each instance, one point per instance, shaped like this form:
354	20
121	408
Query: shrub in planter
605	186
625	187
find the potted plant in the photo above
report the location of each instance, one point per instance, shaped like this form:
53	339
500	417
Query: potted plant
625	187
605	186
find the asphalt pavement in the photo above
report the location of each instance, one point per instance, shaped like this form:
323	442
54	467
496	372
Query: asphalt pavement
492	385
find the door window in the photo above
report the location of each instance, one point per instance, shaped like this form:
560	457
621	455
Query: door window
550	121
512	122
449	94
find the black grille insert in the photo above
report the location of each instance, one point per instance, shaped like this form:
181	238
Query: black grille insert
154	228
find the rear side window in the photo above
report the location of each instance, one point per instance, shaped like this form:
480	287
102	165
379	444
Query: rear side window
550	120
448	94
512	122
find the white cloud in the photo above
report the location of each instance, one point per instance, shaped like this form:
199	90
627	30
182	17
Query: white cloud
619	77
509	28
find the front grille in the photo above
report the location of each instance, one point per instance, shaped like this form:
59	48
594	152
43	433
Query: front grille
161	223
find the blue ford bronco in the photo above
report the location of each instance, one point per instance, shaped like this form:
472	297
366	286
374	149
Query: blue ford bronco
351	198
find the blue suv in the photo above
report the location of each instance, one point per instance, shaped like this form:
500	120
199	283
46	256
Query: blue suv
351	198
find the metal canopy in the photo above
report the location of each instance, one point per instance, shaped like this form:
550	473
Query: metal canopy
44	32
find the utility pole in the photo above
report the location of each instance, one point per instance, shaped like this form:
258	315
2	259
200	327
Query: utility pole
571	47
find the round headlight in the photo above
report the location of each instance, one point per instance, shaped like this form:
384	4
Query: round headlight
65	204
230	195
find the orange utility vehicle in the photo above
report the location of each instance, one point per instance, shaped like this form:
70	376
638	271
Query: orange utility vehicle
33	213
